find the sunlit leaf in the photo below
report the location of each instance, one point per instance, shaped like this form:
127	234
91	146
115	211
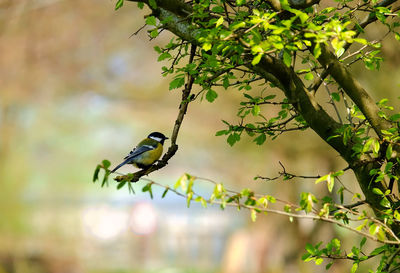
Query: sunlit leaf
253	215
119	4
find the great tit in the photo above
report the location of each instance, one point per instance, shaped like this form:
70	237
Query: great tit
147	152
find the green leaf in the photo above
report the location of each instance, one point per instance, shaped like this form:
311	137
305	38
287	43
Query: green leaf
287	58
207	46
177	82
335	96
331	181
220	21
317	51
119	4
153	4
373	229
389	152
233	138
151	21
121	184
211	95
363	241
377	191
257	59
322	178
106	164
385	203
260	139
376	146
256	110
354	268
397	215
96	173
218	9
339	52
306	202
319	261
253	215
395	117
148	188
378	250
165	192
189	198
328	265
203	202
157	49
310	249
309	76
222	132
235	26
140	5
164	56
105	178
183	182
154	33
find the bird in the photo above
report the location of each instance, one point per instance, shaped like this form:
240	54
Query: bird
147	152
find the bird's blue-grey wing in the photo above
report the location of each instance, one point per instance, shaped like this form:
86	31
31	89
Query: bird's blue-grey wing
134	153
138	151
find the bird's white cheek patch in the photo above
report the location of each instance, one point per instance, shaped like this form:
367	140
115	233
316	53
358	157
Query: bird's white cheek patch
156	138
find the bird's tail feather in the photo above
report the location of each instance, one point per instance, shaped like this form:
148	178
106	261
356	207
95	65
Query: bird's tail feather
120	165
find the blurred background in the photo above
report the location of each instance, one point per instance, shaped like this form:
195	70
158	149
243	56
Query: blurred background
76	88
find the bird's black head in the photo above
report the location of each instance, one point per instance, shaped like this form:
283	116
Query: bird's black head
157	136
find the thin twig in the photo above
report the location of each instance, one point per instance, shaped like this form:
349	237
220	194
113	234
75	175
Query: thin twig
178	122
137	31
328	219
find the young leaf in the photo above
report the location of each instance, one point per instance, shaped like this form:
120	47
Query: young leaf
309	76
256	110
121	184
106	164
151	21
153	4
377	191
389	152
331	181
253	215
119	4
354	268
189	198
220	21
376	147
335	96
256	59
260	139
317	51
96	173
177	82
322	178
164	56
165	192
233	138
211	95
287	58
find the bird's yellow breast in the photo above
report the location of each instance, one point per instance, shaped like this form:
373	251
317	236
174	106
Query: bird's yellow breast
149	157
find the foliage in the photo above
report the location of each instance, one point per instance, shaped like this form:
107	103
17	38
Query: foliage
293	50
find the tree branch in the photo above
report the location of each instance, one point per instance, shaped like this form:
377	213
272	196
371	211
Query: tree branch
178	122
354	90
271	69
